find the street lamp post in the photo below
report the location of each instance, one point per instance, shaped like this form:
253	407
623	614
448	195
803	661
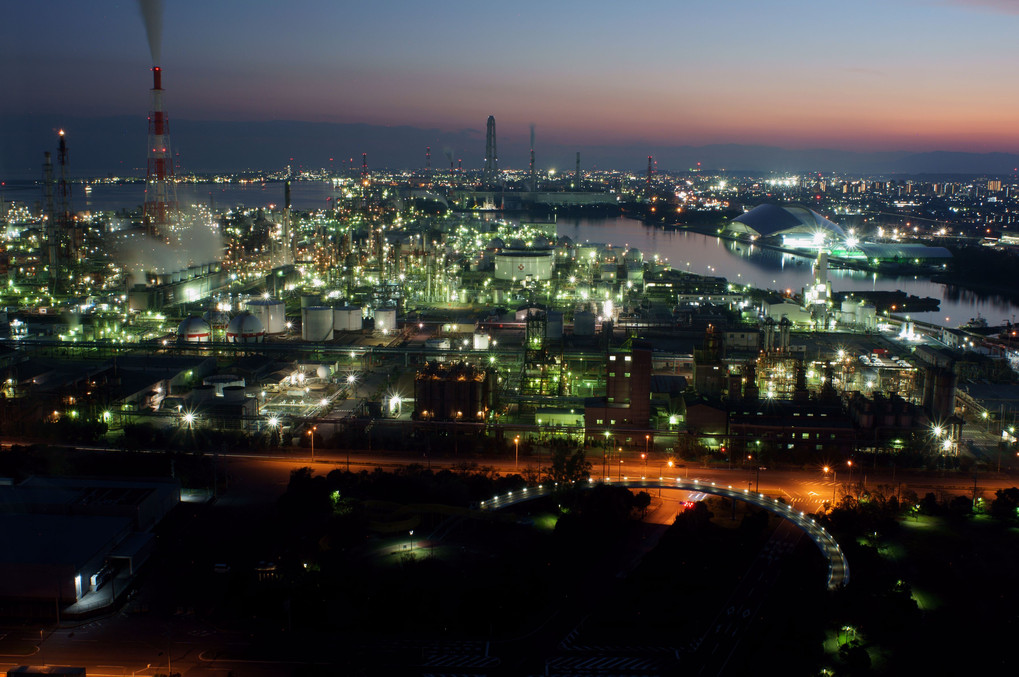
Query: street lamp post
834	477
620	452
644	457
850	463
311	433
516	453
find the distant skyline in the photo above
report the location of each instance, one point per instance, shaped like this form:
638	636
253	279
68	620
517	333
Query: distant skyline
911	75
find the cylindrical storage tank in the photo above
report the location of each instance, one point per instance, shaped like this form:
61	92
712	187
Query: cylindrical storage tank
202	393
583	323
516	265
310	300
245	328
323	372
481	341
348	318
554	325
633	256
866	316
194	330
271	313
233	394
385	319
221	381
588	251
317	323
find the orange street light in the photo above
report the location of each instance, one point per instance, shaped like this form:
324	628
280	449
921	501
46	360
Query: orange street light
311	432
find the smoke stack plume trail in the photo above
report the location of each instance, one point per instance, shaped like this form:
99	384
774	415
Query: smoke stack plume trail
152	15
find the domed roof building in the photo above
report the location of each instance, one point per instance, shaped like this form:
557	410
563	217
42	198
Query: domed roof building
245	328
766	220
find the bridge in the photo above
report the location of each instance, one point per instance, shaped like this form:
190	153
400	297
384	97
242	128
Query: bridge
838	566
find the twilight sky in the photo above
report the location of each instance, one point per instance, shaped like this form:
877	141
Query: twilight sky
864	75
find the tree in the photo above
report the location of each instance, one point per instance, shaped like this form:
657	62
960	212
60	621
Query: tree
1006	503
642	501
568	467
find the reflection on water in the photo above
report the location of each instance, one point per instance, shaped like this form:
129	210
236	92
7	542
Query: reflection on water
742	263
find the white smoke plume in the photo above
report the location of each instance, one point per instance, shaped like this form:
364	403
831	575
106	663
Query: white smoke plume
152	15
195	240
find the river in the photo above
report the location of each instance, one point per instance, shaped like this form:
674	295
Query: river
743	264
685	250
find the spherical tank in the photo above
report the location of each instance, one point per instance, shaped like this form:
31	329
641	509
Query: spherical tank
245	328
194	330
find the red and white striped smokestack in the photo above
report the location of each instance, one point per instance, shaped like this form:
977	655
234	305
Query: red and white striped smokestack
159	205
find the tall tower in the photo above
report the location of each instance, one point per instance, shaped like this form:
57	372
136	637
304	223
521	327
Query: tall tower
650	170
67	233
576	173
491	155
288	239
533	182
160	193
52	237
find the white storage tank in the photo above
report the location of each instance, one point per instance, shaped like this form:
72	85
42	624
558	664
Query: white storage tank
385	319
194	330
348	318
245	328
317	323
310	300
482	341
271	313
583	323
588	251
866	316
222	381
517	265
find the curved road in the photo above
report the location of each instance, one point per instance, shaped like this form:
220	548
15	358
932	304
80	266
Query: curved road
838	566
